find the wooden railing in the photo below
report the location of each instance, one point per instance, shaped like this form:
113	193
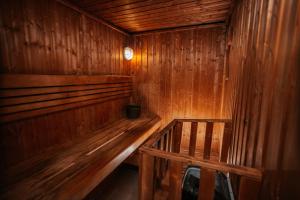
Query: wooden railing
163	162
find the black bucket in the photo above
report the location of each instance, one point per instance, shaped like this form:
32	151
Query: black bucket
133	111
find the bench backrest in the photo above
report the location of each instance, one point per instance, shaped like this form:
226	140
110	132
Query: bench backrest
39	111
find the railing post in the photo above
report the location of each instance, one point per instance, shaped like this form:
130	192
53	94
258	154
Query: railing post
146	176
207	184
193	138
177	134
208	139
175	183
226	141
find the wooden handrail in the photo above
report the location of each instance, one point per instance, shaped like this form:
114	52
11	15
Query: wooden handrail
204	120
223	167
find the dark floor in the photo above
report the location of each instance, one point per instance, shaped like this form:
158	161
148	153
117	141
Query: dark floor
122	184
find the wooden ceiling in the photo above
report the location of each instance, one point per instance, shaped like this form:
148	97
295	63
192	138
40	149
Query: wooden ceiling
145	15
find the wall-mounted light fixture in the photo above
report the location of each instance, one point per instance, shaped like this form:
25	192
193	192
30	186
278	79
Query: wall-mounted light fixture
128	53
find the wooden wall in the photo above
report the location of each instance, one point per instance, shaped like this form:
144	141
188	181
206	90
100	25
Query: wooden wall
47	37
180	73
263	48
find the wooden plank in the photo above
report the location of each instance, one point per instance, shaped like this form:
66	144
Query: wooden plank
248	189
131	13
29	81
75	171
175	180
47	97
50	90
193	138
34	95
146	177
227	136
207	184
38	112
177	135
217	166
58	102
208	140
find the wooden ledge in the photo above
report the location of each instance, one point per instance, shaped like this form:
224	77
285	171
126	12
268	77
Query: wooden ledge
73	172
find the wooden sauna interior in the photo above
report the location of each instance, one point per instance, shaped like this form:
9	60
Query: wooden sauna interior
217	82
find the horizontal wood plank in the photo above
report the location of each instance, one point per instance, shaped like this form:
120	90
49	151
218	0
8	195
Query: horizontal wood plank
75	171
23	96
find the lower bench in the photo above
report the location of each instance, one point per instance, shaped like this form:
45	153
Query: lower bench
72	172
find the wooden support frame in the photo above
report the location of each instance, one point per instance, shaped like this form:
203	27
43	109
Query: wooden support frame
146	177
193	138
207	184
208	139
178	161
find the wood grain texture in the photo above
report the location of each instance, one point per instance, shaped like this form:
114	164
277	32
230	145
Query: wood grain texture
248	189
41	112
137	16
207	184
208	139
180	74
71	173
226	142
146	177
25	96
175	183
263	39
193	138
46	37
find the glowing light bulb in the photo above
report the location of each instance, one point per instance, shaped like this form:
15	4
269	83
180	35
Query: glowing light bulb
128	53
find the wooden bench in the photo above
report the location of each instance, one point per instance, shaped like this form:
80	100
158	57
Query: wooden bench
73	169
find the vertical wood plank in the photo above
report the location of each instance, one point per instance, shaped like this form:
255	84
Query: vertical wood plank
208	140
207	184
177	135
248	189
193	138
171	131
146	175
175	180
226	141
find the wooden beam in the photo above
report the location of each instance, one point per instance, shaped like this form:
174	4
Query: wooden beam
175	180
223	167
146	177
226	141
208	140
177	134
193	138
207	184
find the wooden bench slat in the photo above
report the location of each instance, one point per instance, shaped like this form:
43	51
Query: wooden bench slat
31	81
34	113
47	97
16	92
57	102
24	96
74	172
